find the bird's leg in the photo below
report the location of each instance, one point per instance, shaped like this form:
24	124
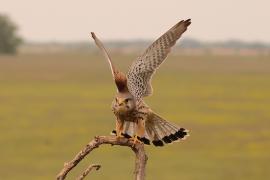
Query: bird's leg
140	131
119	128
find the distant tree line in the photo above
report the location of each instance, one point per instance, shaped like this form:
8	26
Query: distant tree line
234	44
9	40
193	44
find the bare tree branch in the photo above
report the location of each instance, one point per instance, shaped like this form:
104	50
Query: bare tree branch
138	149
88	169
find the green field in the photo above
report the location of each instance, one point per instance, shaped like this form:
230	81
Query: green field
52	105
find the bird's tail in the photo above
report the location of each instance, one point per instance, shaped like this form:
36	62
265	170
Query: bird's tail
157	130
160	131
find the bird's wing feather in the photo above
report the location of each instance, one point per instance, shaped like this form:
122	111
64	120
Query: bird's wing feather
141	71
119	77
105	53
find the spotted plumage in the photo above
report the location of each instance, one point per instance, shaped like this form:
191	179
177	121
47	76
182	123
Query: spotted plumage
134	119
141	71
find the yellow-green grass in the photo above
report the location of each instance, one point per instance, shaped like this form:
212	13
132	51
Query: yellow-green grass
52	105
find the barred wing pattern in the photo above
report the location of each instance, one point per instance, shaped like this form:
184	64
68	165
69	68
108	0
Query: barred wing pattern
141	71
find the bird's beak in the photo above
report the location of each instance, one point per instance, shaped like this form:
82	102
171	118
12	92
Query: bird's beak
121	101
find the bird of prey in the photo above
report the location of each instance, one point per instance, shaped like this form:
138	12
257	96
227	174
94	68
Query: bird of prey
134	119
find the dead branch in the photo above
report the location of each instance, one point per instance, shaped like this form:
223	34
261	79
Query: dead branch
88	169
138	149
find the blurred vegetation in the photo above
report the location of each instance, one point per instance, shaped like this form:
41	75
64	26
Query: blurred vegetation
52	105
9	40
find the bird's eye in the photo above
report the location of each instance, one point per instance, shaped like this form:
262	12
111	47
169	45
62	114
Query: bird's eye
128	99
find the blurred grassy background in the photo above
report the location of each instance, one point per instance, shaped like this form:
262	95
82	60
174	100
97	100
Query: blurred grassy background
52	105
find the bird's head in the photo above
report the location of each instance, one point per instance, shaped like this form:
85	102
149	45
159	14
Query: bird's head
123	102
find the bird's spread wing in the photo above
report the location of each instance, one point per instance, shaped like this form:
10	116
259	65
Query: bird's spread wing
119	77
142	69
105	53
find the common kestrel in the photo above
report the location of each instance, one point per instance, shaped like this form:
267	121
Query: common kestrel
134	119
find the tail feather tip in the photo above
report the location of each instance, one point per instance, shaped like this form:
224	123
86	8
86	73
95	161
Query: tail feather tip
166	139
144	140
158	143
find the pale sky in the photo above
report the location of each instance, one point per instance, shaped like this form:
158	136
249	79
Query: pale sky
73	20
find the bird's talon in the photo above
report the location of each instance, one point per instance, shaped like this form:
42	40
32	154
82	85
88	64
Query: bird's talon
119	136
136	140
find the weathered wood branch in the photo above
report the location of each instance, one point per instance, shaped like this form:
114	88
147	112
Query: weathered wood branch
88	169
138	149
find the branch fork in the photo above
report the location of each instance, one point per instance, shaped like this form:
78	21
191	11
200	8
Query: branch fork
138	149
